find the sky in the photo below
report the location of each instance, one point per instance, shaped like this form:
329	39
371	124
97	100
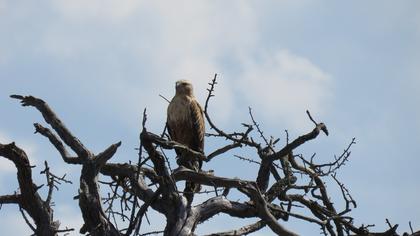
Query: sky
354	64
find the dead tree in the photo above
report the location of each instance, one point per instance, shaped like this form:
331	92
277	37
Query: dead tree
296	182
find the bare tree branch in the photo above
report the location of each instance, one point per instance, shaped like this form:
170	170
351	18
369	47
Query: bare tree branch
222	150
96	222
57	144
29	199
56	123
299	183
297	142
10	199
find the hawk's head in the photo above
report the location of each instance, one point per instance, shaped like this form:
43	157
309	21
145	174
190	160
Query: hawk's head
184	87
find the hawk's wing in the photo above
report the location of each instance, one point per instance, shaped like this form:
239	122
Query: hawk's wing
198	127
172	131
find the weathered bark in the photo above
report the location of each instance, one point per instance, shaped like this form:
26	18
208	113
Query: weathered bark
272	205
28	198
176	212
95	220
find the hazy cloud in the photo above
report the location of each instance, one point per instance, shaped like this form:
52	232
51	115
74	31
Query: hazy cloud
176	41
29	148
283	85
109	11
187	39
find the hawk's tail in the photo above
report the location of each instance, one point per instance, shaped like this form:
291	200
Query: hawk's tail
190	189
188	161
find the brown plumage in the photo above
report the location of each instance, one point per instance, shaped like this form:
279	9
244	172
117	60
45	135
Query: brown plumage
185	124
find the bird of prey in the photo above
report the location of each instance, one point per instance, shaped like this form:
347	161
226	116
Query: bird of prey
185	123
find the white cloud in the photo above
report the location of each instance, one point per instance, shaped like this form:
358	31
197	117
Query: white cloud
185	30
183	40
282	86
196	37
164	42
110	11
29	148
5	165
62	43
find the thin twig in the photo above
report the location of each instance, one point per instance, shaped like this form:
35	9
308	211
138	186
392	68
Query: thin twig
164	98
411	227
247	159
26	219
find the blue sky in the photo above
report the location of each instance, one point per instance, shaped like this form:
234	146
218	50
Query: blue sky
355	65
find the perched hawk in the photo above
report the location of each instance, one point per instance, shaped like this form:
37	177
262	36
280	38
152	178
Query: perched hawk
185	123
